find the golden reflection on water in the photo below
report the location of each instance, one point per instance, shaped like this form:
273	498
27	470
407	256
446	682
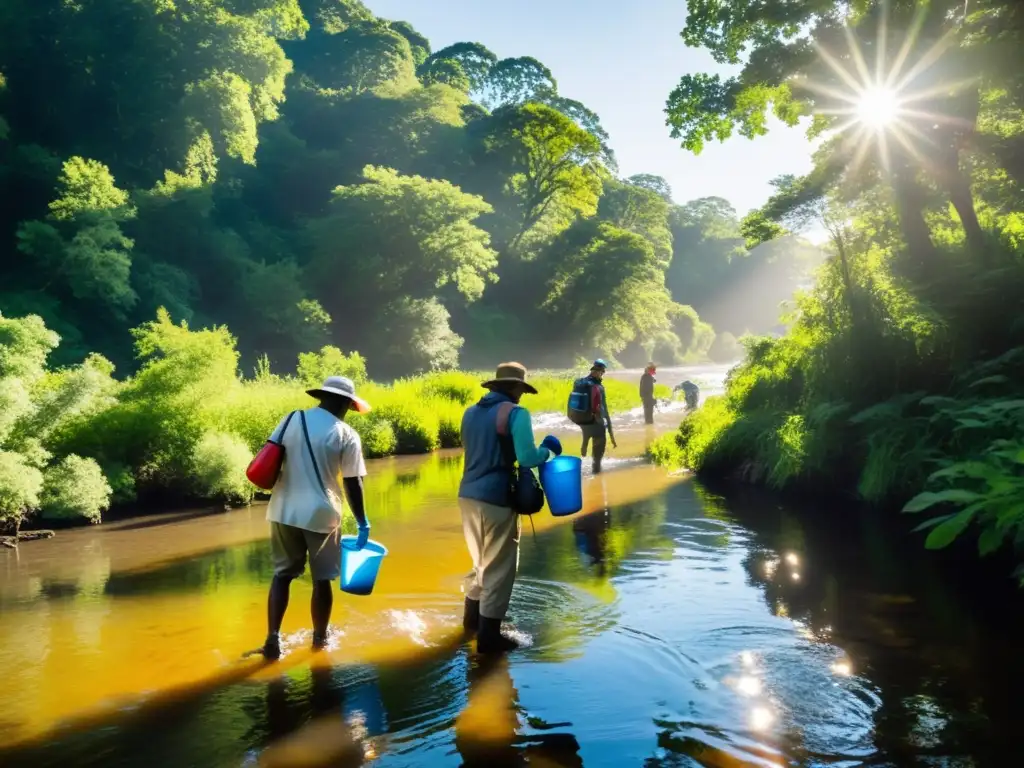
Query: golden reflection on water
155	605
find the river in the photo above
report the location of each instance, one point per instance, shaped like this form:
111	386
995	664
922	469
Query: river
665	626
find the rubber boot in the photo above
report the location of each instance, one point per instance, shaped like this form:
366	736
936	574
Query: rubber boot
471	617
490	640
597	466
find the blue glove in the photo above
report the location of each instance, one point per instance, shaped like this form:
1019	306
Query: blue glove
553	444
364	535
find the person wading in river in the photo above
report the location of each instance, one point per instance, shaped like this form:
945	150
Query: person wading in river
647	392
305	505
490	524
588	407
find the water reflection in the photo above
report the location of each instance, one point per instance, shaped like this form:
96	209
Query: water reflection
671	626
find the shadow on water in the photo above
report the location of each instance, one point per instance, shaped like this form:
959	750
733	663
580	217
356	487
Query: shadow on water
932	658
678	629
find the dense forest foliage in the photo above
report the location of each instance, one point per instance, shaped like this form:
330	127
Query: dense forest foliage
902	374
75	440
306	173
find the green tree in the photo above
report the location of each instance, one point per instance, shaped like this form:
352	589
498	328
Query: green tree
641	210
552	166
405	235
607	288
473	59
80	244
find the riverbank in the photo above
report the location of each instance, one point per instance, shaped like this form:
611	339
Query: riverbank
76	442
950	449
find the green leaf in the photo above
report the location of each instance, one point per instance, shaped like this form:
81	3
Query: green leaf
943	535
1007	405
951	496
971	424
989	380
921	502
932	522
990	540
976	469
940	400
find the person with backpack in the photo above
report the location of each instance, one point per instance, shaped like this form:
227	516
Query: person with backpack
497	433
305	504
647	382
588	407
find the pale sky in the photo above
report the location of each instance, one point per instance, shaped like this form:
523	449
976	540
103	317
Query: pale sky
621	59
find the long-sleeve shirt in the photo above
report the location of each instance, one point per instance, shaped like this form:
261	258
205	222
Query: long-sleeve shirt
598	402
527	452
647	387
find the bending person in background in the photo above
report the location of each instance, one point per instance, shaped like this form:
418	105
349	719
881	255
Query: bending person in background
691	392
490	524
647	382
305	505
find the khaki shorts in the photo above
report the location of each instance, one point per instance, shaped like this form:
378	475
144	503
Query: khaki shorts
289	547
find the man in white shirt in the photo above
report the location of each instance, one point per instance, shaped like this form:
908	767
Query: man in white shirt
305	505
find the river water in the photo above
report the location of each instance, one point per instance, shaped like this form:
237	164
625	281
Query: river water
665	626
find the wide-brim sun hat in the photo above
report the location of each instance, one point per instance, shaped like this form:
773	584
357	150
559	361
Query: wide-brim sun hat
343	387
510	373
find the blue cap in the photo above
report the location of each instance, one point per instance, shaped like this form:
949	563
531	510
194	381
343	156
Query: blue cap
599	363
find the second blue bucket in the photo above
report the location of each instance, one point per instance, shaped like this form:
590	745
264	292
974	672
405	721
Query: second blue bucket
359	567
562	480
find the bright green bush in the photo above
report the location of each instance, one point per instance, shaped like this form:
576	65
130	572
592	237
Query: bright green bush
218	468
315	367
378	438
20	487
187	424
74	488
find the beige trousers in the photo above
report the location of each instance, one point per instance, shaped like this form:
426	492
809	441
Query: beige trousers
492	537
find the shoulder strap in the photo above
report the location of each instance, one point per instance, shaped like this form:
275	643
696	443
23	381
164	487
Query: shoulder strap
284	429
312	456
502	419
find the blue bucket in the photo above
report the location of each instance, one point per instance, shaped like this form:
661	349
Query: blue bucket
359	567
562	480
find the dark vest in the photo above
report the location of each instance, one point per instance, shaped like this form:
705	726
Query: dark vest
485	477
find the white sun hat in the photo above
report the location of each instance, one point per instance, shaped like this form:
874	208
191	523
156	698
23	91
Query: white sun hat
344	387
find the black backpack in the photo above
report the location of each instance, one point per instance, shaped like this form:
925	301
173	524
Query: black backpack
580	407
526	497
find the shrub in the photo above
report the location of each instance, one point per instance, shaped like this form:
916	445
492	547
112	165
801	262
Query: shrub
416	427
378	438
74	487
20	487
459	387
218	467
315	367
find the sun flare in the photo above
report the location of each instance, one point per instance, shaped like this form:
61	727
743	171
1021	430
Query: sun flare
877	107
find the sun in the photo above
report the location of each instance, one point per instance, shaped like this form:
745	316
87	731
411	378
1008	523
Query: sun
877	107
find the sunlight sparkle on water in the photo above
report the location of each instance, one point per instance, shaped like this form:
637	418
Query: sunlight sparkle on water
761	718
747	658
842	668
749	685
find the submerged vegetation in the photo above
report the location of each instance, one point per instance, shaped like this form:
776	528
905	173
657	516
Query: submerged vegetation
74	440
900	379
